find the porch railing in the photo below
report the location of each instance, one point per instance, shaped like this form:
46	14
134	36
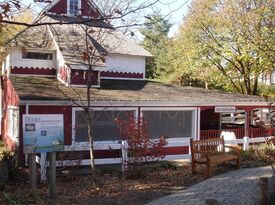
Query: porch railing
239	133
262	132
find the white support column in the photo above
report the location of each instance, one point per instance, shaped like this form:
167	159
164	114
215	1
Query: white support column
247	123
199	124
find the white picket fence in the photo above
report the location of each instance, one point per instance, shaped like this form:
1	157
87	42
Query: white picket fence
124	159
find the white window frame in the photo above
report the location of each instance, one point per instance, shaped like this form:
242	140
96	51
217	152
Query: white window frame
78	8
98	143
178	141
13	125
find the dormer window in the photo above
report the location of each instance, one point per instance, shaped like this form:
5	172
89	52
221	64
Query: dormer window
74	7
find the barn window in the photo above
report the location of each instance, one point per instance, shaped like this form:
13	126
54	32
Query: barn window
170	123
37	55
104	127
74	7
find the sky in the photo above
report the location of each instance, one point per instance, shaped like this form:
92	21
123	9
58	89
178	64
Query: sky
175	10
172	9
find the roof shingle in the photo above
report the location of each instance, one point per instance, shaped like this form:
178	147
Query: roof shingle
42	88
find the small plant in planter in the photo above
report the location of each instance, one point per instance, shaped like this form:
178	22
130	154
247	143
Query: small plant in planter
141	147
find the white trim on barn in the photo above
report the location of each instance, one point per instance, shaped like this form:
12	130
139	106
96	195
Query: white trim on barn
113	78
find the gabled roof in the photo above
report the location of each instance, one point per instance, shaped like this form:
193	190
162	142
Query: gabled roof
115	42
70	38
49	89
33	37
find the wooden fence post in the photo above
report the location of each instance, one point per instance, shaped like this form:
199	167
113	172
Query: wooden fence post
32	171
52	175
263	194
211	202
43	167
124	153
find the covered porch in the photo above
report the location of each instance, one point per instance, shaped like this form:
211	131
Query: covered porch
239	121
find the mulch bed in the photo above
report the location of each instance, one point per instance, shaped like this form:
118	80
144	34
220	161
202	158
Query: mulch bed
112	188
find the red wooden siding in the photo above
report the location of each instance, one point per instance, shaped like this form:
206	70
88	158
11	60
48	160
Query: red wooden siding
79	77
209	119
86	9
120	75
33	71
176	150
10	98
60	7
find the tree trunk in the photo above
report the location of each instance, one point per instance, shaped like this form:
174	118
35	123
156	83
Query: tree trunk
205	85
89	123
255	85
93	173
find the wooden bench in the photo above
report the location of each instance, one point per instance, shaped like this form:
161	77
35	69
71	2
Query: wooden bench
212	152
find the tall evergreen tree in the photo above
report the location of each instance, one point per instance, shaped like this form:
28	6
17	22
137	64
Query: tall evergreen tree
155	32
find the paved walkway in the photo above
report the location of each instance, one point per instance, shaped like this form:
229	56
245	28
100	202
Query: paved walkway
239	187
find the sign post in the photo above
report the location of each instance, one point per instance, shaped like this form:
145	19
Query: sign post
32	172
52	175
43	133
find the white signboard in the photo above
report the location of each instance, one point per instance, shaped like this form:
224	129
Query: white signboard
225	109
43	133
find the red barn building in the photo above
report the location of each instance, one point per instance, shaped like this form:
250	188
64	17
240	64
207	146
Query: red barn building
44	73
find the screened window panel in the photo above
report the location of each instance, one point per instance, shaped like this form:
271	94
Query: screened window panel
104	127
172	124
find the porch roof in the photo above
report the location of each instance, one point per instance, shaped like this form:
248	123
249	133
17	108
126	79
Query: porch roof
141	91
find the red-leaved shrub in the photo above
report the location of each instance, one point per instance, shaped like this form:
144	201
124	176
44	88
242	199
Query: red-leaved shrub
141	148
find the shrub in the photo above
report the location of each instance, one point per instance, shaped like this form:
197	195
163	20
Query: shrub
258	155
141	148
9	160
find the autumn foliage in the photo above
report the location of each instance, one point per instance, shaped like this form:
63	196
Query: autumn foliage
141	147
